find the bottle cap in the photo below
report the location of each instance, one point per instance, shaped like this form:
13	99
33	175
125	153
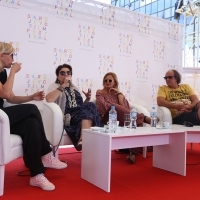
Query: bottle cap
112	107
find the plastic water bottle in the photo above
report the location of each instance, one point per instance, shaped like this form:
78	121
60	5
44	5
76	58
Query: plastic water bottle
133	117
153	115
112	119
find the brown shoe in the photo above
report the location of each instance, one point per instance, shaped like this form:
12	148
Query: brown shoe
131	158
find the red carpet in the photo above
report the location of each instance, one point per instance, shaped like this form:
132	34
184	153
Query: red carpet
140	181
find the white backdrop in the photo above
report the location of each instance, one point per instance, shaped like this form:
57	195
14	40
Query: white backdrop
94	38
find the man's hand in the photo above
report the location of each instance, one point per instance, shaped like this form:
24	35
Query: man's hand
87	94
184	107
38	96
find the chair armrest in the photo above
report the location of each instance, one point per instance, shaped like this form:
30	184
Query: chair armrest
53	122
165	112
5	145
7	104
140	109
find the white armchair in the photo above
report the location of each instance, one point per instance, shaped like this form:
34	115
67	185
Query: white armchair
167	117
53	124
10	146
165	113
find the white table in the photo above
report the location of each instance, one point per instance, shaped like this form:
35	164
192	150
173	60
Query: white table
169	152
193	133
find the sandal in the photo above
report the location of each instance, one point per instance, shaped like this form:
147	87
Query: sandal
131	158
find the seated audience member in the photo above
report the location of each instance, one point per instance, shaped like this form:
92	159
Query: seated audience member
110	95
180	99
79	115
25	121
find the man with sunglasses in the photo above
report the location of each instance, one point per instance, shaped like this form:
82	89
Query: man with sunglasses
180	99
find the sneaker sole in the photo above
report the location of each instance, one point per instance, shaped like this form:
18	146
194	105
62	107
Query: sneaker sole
44	188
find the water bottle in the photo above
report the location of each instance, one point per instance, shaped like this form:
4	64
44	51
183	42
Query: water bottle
153	115
112	119
133	118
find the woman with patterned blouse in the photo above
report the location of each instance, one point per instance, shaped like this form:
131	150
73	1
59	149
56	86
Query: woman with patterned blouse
78	114
111	95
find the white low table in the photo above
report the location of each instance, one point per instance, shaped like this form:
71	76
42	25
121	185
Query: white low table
193	133
169	152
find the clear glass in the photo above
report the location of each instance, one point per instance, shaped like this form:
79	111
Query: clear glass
127	120
159	124
161	5
154	7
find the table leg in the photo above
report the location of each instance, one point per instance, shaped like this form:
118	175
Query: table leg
96	160
171	157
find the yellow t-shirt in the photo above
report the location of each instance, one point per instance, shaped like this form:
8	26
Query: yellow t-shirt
180	95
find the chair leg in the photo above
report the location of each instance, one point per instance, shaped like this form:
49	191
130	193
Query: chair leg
2	173
55	151
144	152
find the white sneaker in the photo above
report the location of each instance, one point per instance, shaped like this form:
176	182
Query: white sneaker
41	181
50	161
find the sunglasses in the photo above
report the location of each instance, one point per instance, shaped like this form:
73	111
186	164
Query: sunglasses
11	55
168	77
63	73
108	80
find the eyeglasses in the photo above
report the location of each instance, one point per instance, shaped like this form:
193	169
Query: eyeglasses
168	77
11	55
108	80
63	73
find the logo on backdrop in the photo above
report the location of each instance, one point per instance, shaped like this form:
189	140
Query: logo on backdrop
173	32
37	28
170	66
62	56
105	64
86	37
35	83
107	16
154	93
143	24
10	3
158	50
125	88
142	70
84	84
16	54
125	43
63	9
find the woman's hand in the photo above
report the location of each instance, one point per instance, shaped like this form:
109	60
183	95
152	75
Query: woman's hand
114	90
67	81
87	94
38	96
16	67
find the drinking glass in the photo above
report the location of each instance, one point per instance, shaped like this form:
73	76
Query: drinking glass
127	120
159	124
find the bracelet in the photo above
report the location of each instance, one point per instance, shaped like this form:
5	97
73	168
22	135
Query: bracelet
60	88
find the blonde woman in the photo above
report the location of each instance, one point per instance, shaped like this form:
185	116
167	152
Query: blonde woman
25	121
111	95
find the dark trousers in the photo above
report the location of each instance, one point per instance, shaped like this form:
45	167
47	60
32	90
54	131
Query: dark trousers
26	121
